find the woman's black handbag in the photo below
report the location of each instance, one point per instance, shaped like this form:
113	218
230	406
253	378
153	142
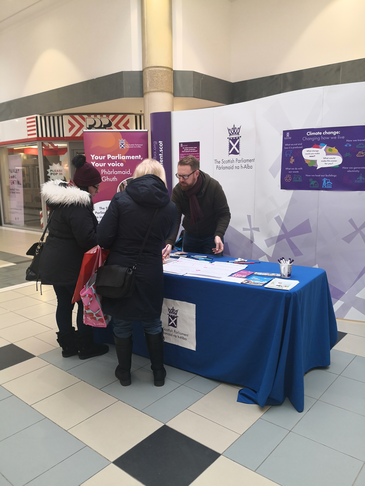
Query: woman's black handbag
32	272
115	281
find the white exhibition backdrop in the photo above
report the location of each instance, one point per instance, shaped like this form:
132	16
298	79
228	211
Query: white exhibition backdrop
316	228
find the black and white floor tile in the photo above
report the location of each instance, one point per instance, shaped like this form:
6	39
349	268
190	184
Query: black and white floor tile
69	422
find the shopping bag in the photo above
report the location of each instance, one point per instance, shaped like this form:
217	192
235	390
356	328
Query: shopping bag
93	259
93	313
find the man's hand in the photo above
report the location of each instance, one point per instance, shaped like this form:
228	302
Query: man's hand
166	253
218	245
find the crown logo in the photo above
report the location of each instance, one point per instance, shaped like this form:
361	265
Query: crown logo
172	311
234	131
172	315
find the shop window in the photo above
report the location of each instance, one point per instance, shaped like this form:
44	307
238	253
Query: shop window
21	180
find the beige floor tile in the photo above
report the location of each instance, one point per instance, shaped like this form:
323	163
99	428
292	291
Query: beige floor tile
74	404
3	342
4	264
21	369
29	290
115	430
49	320
351	327
49	337
37	310
17	241
40	384
352	344
203	430
228	473
8	296
221	406
112	476
21	302
22	331
35	346
10	319
3	312
48	297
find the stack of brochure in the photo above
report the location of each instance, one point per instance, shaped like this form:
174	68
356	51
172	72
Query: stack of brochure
282	284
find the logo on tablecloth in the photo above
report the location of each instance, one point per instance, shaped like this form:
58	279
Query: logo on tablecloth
178	322
172	315
234	140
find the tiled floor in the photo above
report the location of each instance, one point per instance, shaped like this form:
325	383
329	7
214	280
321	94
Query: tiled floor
69	422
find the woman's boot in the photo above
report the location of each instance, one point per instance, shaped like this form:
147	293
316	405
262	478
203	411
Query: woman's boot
89	349
68	342
155	349
124	347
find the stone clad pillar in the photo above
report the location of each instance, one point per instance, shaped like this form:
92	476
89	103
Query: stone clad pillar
157	57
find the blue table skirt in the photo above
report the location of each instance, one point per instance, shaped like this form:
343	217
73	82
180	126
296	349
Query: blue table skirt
261	339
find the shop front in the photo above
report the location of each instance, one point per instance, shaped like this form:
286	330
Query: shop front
36	149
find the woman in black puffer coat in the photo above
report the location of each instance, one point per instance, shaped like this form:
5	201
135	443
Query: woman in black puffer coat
122	230
72	232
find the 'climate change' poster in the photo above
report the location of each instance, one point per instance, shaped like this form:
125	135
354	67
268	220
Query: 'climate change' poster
331	159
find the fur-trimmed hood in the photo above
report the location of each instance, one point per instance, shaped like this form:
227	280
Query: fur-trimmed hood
57	193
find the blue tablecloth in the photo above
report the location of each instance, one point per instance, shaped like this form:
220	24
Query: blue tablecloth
261	339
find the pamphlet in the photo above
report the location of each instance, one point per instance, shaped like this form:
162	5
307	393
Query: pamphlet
257	280
267	274
178	254
281	284
241	274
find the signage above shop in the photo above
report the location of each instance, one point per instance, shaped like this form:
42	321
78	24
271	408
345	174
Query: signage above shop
64	127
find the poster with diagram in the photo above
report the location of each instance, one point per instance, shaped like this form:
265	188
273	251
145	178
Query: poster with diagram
330	159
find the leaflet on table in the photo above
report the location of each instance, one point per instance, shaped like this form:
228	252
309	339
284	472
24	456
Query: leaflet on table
217	270
257	280
241	274
281	284
266	274
198	268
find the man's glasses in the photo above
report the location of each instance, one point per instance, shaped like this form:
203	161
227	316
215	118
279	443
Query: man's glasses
185	177
96	187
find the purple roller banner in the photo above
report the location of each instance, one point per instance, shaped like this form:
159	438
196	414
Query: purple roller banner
329	159
161	142
116	154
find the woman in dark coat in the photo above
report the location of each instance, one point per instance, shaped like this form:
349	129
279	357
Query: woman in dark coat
122	230
72	232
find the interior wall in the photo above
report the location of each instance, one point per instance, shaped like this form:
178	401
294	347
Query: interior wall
202	36
67	43
237	40
278	36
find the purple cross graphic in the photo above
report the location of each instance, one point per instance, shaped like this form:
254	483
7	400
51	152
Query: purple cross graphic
250	228
302	229
358	231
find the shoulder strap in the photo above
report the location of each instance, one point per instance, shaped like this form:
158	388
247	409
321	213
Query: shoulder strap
45	229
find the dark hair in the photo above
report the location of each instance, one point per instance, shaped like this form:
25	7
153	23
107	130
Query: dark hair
190	160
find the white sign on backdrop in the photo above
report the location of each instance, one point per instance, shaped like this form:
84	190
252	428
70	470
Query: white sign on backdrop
178	322
235	160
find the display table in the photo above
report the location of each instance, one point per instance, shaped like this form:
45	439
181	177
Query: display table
261	339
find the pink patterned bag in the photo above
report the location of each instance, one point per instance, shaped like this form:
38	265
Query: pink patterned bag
93	314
